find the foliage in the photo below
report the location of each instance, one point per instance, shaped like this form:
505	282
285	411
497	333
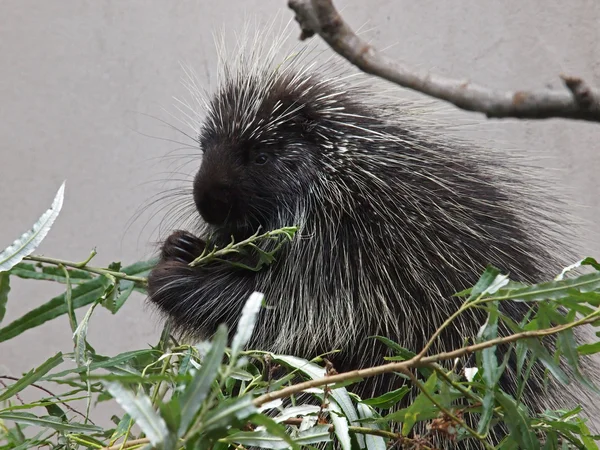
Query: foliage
219	395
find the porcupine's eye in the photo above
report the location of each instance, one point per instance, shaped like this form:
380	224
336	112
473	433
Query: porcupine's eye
261	158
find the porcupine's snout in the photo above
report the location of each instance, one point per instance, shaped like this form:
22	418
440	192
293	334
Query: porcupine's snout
214	192
214	198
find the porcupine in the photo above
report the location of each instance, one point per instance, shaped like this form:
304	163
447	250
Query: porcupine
393	218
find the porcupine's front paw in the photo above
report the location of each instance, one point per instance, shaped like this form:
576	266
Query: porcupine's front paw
182	246
172	273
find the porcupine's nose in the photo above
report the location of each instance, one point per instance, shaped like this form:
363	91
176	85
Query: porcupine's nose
214	203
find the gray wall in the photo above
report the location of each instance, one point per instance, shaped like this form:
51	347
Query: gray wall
80	78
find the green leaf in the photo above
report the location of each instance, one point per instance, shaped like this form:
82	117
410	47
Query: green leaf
589	349
518	422
4	290
260	439
139	407
126	287
55	411
341	427
551	290
82	295
246	323
489	332
50	273
314	435
122	427
487	412
568	347
421	404
69	299
274	436
273	427
388	399
102	362
485	281
49	422
310	369
199	387
31	377
230	412
80	336
371	442
87	441
29	241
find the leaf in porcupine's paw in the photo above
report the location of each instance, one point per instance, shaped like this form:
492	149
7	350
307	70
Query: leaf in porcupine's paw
30	240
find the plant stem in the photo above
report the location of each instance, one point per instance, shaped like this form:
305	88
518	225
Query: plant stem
83	266
234	247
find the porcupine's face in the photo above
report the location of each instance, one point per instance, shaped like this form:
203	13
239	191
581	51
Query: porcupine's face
256	161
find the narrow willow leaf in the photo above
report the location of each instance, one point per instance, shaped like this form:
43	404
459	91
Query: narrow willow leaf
80	336
102	362
485	281
487	412
49	422
591	262
4	290
341	427
371	442
49	273
229	413
199	387
488	332
415	411
314	435
87	441
31	377
295	411
589	349
388	399
123	426
260	439
551	290
69	299
246	323
126	287
275	428
139	407
29	241
314	371
568	347
518	423
82	295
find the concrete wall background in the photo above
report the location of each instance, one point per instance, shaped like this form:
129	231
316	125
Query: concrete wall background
78	77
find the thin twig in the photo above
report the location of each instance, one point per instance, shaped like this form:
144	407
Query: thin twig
83	266
579	101
419	362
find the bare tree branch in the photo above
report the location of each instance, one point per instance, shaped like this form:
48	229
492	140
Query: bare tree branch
578	101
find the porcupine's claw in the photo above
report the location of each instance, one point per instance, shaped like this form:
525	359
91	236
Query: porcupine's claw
182	246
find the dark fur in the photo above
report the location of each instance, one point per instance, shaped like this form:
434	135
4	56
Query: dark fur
236	195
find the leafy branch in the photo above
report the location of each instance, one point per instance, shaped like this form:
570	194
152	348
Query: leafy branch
265	257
